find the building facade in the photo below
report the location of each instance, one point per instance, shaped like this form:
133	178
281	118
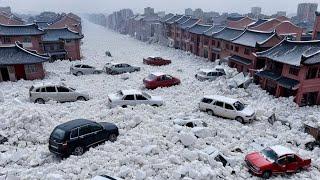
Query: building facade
306	11
71	21
316	28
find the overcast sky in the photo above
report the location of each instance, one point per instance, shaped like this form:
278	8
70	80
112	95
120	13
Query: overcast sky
176	6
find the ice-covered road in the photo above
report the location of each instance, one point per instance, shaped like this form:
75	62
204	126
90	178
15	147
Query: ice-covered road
148	146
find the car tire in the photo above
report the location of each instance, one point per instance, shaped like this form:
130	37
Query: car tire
240	119
81	98
112	137
155	105
210	112
78	151
266	174
39	101
79	73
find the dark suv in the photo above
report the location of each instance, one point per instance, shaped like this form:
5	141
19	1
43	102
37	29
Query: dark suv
77	136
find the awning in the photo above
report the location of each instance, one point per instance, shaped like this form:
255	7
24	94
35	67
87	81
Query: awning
269	75
241	60
288	83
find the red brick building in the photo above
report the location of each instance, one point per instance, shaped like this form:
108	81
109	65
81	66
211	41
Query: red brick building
292	69
316	28
62	44
70	21
196	41
28	35
182	30
243	49
18	63
177	30
207	39
169	26
239	22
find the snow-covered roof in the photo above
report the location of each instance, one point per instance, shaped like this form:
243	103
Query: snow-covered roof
281	150
166	17
21	30
173	19
251	38
294	52
222	98
213	29
158	73
183	19
228	33
130	91
60	34
257	23
189	23
199	28
14	54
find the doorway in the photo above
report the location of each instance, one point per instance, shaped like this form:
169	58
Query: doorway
20	72
4	74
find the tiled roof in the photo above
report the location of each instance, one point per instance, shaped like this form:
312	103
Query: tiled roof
22	30
238	18
173	19
166	17
250	38
189	23
60	34
257	23
240	59
199	28
183	19
213	30
15	54
42	24
227	34
294	52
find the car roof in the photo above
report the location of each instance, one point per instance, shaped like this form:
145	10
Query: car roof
74	123
208	70
131	91
281	150
222	98
158	73
40	85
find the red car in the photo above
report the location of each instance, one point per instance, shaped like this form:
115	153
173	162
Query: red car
275	160
156	80
156	61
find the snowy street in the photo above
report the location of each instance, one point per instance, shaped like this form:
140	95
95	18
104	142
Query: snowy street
149	145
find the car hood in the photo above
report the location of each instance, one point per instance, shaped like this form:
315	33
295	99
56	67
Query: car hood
248	111
258	160
113	97
108	126
156	98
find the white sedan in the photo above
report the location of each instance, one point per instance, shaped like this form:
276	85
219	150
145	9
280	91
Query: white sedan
126	98
82	69
210	74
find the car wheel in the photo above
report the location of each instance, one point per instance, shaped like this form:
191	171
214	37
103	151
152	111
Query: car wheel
81	98
210	112
124	106
96	72
240	119
79	73
39	101
155	105
112	137
266	174
310	146
78	151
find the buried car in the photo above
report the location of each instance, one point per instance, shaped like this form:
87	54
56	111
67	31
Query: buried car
155	80
189	122
82	69
60	93
211	154
156	61
120	68
210	74
227	108
77	136
275	160
126	98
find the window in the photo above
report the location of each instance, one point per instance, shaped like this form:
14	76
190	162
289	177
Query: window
38	90
213	42
51	89
207	101
95	127
282	161
43	89
27	39
294	70
236	49
31	68
218	45
291	158
219	103
228	106
84	130
231	47
62	89
227	46
140	97
6	40
129	97
312	73
74	133
246	51
77	66
58	134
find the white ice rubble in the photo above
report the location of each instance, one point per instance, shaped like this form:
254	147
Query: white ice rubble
149	146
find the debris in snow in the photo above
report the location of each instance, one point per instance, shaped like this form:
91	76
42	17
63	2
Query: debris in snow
3	139
187	139
125	76
108	54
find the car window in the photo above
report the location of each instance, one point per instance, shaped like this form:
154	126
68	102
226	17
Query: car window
51	89
77	66
118	66
140	97
95	127
239	106
207	101
129	97
125	65
219	103
221	159
84	130
43	89
291	158
282	160
63	89
58	134
38	90
74	133
228	106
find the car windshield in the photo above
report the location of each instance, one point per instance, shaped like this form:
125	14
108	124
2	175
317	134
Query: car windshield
58	134
269	154
146	95
152	77
239	106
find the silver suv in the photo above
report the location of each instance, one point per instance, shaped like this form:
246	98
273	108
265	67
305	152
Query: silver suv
60	93
81	69
119	68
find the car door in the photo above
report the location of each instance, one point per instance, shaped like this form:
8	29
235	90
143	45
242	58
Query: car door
206	104
230	111
280	165
86	136
140	99
129	100
127	68
218	108
51	93
74	138
292	163
98	132
65	94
